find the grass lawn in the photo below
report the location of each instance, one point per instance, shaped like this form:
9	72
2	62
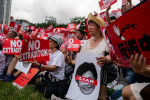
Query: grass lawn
10	92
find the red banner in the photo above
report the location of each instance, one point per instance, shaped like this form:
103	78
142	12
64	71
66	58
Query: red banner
32	28
86	80
14	27
87	30
103	15
123	2
130	35
12	46
49	29
72	26
23	79
73	44
78	26
106	3
37	49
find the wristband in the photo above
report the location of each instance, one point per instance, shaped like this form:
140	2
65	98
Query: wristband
40	66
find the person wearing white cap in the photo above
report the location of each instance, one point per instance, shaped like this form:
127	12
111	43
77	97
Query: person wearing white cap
55	68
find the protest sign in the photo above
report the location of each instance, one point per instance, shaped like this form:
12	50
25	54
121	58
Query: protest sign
130	35
106	3
85	83
103	15
73	44
78	26
72	26
12	46
49	29
23	79
87	30
123	2
37	49
32	28
14	27
23	66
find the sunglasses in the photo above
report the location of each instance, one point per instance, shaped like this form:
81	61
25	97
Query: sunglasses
50	40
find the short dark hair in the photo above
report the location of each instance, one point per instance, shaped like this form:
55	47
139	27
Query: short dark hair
21	36
113	18
14	34
81	31
84	67
90	21
29	30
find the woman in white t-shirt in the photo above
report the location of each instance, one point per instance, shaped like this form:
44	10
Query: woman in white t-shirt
55	68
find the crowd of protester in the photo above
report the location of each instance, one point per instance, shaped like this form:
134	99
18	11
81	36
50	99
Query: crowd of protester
132	82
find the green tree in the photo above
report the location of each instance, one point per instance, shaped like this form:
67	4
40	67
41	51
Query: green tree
78	20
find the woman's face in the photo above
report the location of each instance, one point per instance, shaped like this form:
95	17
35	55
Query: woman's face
79	35
93	29
52	44
87	88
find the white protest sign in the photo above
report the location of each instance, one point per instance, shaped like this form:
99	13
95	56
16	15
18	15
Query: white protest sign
85	83
23	66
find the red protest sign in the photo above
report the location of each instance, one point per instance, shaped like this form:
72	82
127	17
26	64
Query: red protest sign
49	28
87	30
103	15
78	26
72	26
37	49
73	44
12	46
106	3
130	35
32	28
123	2
23	79
86	80
14	27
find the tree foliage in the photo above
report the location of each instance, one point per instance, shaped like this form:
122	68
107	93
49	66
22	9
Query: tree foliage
78	20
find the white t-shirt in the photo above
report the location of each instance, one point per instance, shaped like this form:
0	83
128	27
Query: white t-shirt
99	49
2	62
58	60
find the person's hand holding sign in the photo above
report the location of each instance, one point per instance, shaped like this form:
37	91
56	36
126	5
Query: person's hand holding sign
139	65
103	60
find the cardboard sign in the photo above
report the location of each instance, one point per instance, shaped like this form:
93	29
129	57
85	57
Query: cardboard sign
72	26
14	27
37	49
85	83
73	44
12	46
106	3
23	66
23	79
130	34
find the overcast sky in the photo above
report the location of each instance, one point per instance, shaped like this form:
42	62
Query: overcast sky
36	10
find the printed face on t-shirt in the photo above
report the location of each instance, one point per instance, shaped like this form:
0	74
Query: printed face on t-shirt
87	88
